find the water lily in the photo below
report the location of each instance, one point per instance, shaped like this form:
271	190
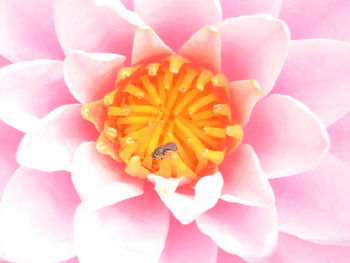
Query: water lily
174	131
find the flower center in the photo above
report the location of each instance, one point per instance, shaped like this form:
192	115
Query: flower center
169	118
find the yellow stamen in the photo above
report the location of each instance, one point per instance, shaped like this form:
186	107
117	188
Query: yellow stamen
168	117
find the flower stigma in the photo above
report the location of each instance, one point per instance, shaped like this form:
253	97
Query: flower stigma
170	118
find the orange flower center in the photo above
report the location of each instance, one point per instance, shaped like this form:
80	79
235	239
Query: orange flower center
169	118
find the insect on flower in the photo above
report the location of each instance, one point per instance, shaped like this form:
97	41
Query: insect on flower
161	151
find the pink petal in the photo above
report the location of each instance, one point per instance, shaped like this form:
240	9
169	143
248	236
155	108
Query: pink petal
315	205
317	73
4	61
248	53
293	250
244	95
224	257
187	206
340	134
148	45
72	260
244	180
29	90
204	48
28	30
9	140
129	4
231	8
287	137
90	76
131	231
176	21
36	223
52	144
107	26
317	19
249	232
99	180
186	244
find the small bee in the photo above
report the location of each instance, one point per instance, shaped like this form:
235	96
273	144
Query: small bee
161	151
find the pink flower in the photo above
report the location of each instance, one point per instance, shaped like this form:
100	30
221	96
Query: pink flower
265	178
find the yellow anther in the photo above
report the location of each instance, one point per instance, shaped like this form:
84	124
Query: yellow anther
152	69
111	132
134	168
204	78
215	157
222	109
133	90
219	80
108	100
175	63
201	102
234	131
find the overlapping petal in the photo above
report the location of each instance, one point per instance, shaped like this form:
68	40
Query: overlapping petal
99	180
27	31
232	8
317	19
340	134
315	205
182	17
147	44
131	231
95	26
90	76
317	73
37	217
52	144
9	140
249	232
287	137
204	48
248	53
186	244
244	180
30	90
188	205
294	250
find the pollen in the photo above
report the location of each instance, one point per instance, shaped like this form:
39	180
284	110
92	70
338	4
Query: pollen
168	117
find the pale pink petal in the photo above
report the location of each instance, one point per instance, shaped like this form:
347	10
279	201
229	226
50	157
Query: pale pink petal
90	76
244	96
186	244
36	221
340	134
29	90
293	250
317	19
254	47
315	205
95	26
4	61
187	206
317	73
99	180
52	144
131	231
148	45
249	232
9	140
129	4
231	8
176	21
204	48
287	137
244	180
27	30
72	260
224	257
